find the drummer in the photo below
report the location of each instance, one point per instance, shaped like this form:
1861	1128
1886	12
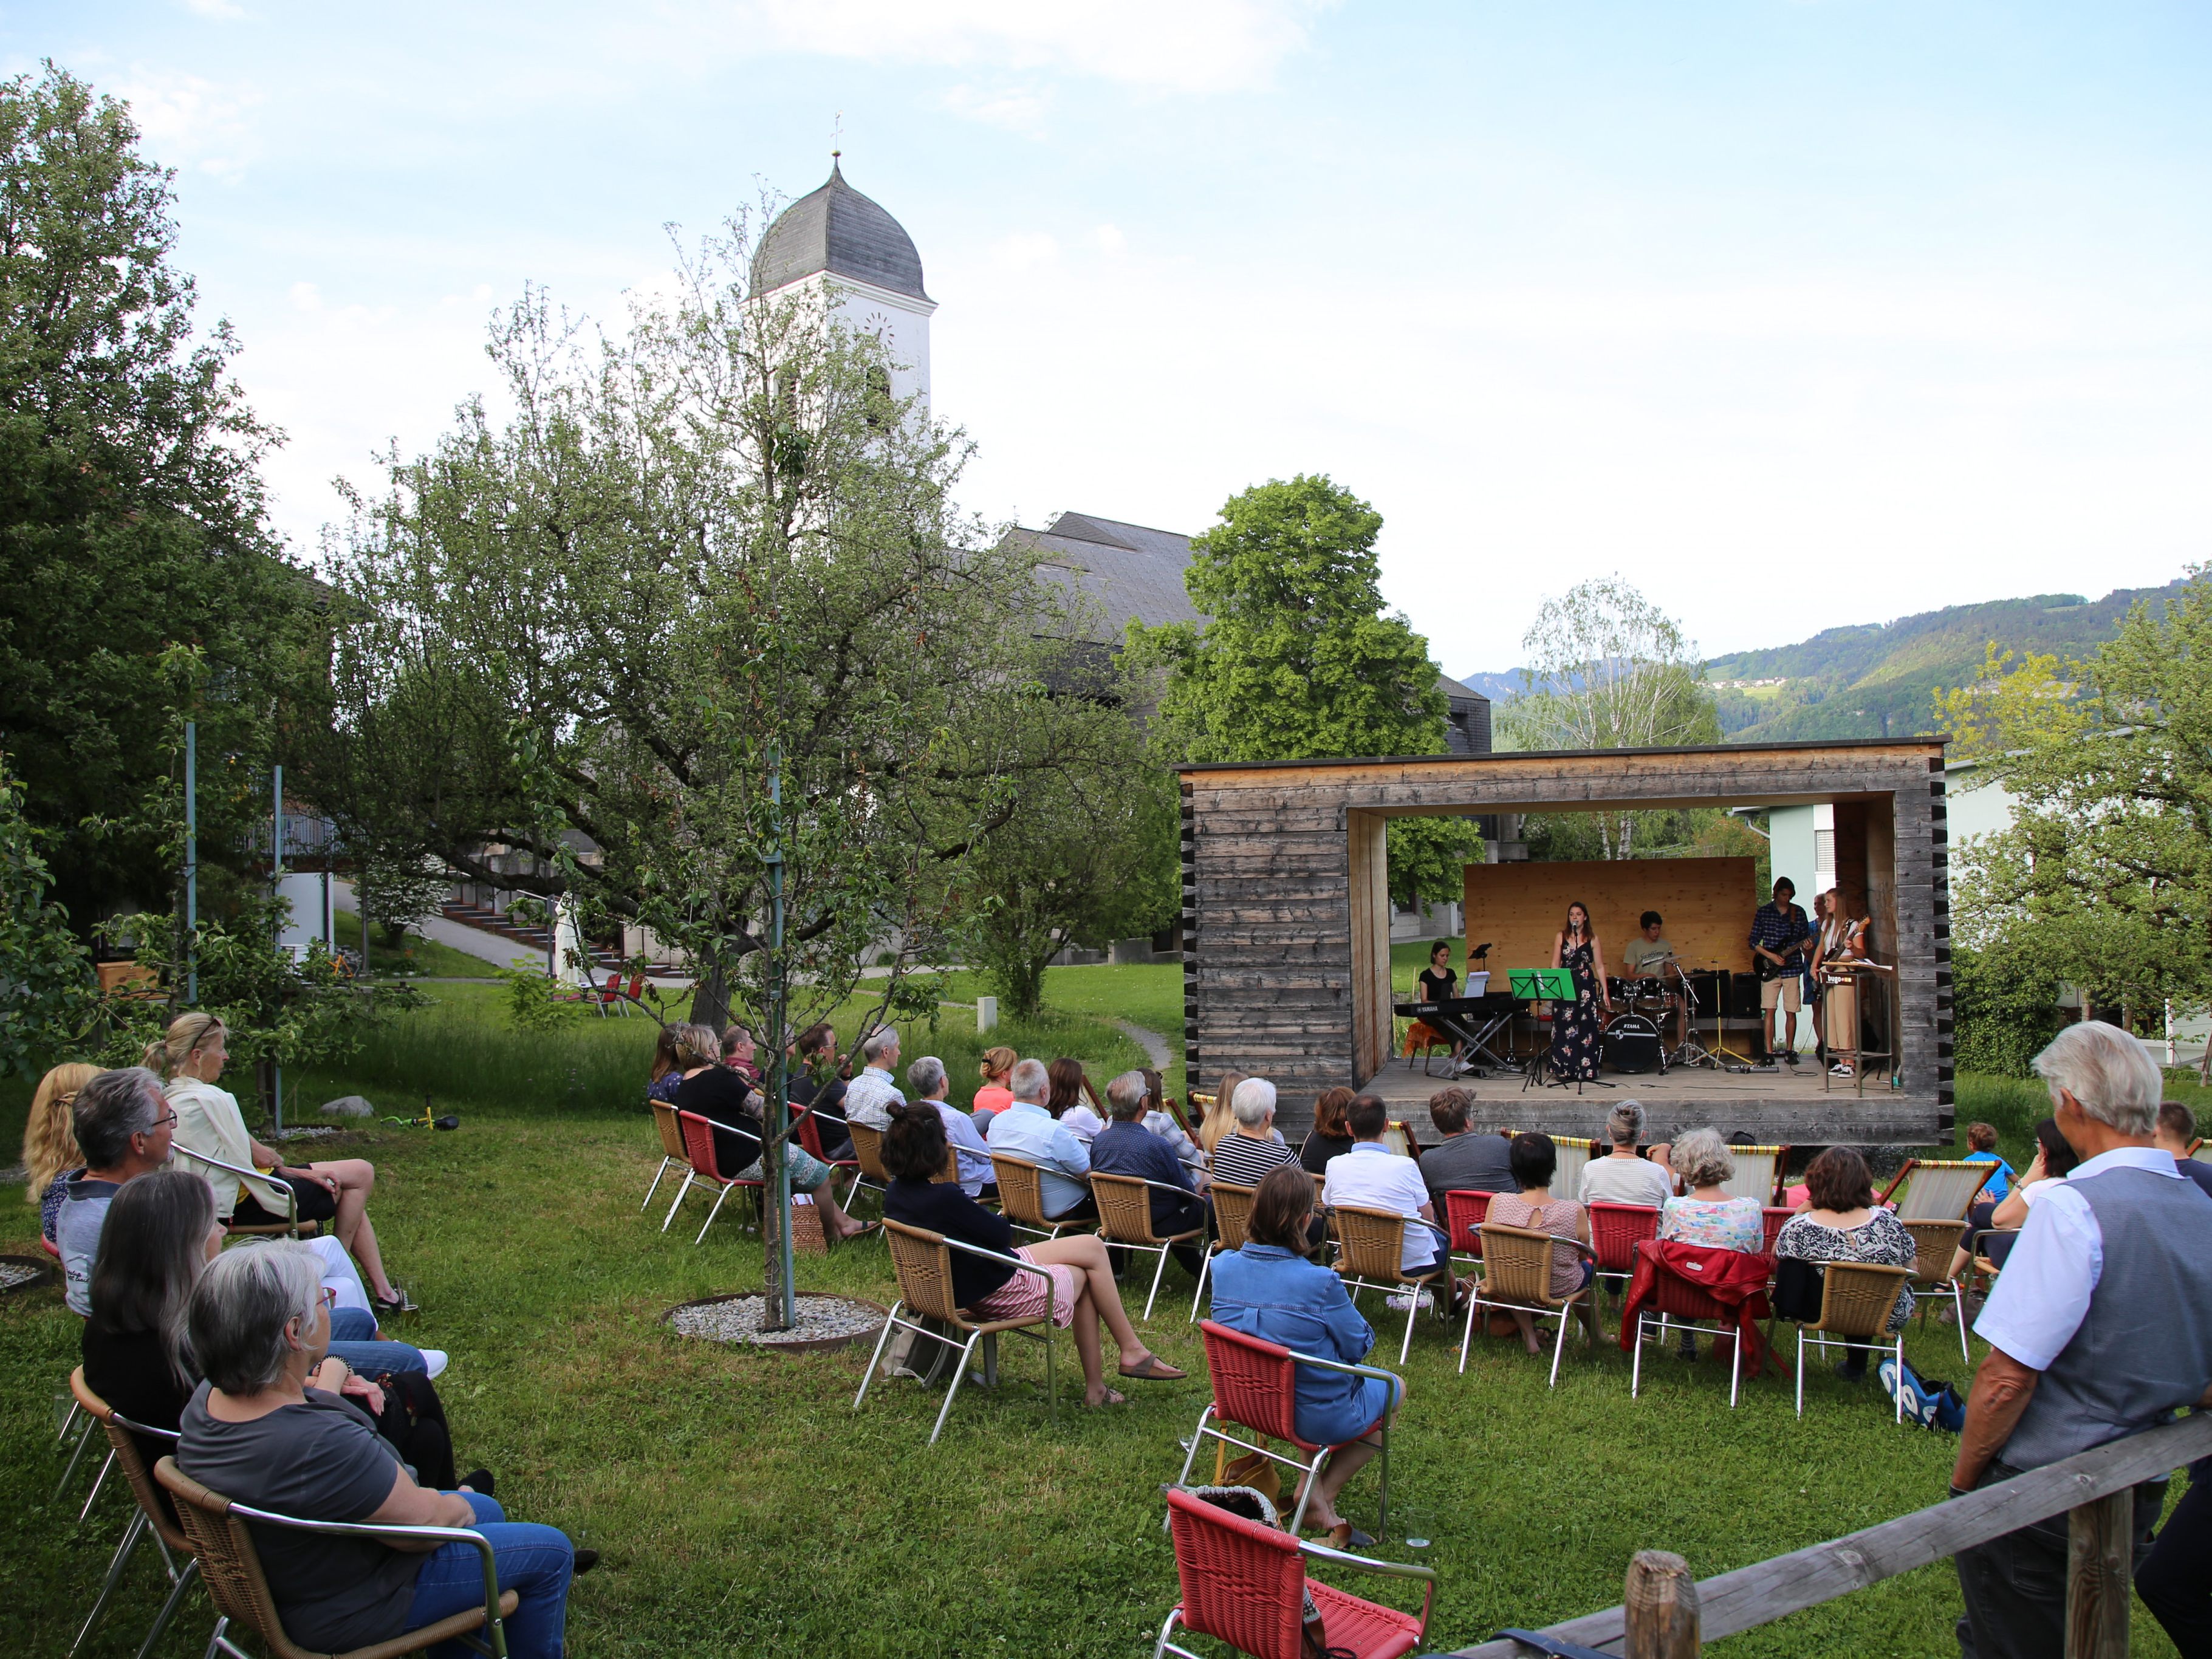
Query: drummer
1649	956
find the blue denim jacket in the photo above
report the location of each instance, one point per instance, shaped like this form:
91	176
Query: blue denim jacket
1270	1292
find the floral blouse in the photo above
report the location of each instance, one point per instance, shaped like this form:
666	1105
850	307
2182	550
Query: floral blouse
1730	1223
1881	1239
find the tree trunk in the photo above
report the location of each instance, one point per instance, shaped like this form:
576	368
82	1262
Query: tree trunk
710	1003
773	1219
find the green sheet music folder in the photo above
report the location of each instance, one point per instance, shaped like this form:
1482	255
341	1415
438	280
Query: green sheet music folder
1542	984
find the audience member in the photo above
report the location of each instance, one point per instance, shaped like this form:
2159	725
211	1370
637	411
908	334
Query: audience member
740	1053
266	1429
1027	1131
2176	1131
2099	1326
1158	1120
1843	1223
49	1148
1083	1294
1463	1162
1708	1215
1072	1100
1272	1290
1221	1117
1328	1138
1126	1148
335	1194
926	1078
123	1125
1371	1176
667	1067
994	1097
870	1096
2054	1161
1621	1176
1982	1148
1243	1157
721	1094
814	1082
1536	1161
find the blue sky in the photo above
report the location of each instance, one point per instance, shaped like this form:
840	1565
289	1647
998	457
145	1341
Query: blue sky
1795	314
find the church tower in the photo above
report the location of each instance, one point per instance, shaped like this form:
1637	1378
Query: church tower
865	262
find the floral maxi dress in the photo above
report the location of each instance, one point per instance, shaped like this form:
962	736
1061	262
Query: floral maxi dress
1576	1028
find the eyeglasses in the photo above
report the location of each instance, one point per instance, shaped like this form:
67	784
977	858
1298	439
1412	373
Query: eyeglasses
164	1122
331	1298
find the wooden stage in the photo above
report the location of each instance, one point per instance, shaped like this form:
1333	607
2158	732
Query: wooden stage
1783	1107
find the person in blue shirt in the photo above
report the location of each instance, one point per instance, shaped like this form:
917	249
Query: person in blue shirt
926	1078
1982	1140
1270	1289
1126	1148
1025	1130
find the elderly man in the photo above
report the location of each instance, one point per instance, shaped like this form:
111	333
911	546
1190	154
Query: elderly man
123	1123
926	1078
1025	1130
1126	1148
870	1096
2099	1326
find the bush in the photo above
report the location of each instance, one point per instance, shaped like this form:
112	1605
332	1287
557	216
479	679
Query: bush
2004	1012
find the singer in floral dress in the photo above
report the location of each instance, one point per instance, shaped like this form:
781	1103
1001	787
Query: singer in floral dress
1579	1027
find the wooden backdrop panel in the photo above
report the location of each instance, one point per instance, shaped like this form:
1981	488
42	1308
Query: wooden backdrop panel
1707	904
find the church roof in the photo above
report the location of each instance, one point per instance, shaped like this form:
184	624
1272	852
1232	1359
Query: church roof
1125	570
840	231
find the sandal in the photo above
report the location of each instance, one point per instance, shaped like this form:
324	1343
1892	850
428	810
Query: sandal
1153	1370
1111	1397
400	1301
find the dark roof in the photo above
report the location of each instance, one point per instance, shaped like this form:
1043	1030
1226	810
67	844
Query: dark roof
840	231
1925	740
1467	721
1125	570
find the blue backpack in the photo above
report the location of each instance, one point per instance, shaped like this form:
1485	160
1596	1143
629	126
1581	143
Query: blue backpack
1933	1405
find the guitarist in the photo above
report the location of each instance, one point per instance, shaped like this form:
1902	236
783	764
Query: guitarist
1779	933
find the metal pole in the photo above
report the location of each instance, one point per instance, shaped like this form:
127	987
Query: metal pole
780	1113
191	862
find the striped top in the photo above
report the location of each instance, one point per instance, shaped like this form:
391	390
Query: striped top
1241	1161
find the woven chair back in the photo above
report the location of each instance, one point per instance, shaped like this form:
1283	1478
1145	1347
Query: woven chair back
1941	1189
949	1171
671	1132
1373	1242
1242	1582
1574	1157
923	1264
1754	1172
699	1145
1021	1191
1616	1231
1856	1298
229	1566
1232	1213
1933	1243
1772	1217
159	1513
868	1152
1254	1382
1124	1209
1463	1215
803	1130
1516	1265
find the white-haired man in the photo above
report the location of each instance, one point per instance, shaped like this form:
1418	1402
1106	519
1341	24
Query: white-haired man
926	1078
870	1096
1025	1130
2099	1326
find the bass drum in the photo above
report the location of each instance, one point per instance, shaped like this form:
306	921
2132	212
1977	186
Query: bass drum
1631	1044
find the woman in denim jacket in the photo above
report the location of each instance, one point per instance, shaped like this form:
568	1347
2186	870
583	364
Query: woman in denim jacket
1270	1289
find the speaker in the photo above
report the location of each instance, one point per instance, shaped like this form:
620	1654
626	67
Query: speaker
1743	996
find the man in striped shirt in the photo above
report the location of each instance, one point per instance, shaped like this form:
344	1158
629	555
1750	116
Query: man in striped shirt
1244	1155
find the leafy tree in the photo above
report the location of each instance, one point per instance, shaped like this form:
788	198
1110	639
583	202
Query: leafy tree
137	580
48	999
1300	661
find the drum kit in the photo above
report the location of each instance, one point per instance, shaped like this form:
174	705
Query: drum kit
1635	1040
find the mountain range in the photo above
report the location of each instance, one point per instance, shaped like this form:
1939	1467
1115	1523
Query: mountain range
1874	680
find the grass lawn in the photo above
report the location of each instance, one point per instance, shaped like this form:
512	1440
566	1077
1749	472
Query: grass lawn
418	956
743	1508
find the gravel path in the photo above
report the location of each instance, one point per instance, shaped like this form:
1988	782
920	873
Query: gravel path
1154	1045
738	1321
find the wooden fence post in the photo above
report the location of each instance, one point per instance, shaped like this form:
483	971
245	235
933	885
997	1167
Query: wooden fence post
2099	1571
1661	1604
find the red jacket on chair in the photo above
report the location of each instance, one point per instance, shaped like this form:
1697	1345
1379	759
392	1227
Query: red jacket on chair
1721	1285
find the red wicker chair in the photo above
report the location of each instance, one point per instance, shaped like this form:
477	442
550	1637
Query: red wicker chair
1256	1386
1464	1213
1771	1219
1616	1231
699	1147
1246	1584
1679	1305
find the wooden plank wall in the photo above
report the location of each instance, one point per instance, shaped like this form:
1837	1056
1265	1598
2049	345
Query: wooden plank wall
1518	908
1268	964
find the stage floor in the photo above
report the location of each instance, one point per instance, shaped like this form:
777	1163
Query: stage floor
1781	1106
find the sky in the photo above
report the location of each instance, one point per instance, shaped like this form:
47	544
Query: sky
1792	313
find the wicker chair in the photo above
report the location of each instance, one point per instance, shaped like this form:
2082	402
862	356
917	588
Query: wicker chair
706	1171
1517	1278
1373	1243
923	1260
868	1154
1125	1219
1936	1243
1772	1217
1941	1189
156	1515
1616	1231
808	1134
231	1568
1464	1213
1256	1387
1232	1215
1021	1198
1677	1304
1245	1584
1856	1301
673	1155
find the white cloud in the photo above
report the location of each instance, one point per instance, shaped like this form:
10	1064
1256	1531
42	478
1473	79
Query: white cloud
1025	250
306	296
222	11
1109	240
1159	46
1018	109
193	124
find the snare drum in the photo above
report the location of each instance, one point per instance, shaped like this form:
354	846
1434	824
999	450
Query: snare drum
1649	995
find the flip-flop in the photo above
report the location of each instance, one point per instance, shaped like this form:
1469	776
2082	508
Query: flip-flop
1113	1397
1153	1370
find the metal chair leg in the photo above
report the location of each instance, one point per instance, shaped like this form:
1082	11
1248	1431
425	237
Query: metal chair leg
656	1187
720	1198
1900	1351
1383	1511
1204	1266
1558	1346
1158	1274
93	1496
682	1193
1160	1647
1305	1489
1197	1438
1801	1373
83	1440
185	1581
122	1559
953	1393
1636	1365
890	1324
1959	1314
1736	1366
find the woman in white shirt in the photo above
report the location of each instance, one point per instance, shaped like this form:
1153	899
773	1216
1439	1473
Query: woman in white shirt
191	1057
1074	1101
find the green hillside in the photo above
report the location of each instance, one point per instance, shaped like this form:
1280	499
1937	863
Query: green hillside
1878	680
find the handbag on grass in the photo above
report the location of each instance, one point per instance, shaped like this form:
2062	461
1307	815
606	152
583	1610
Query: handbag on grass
1251	1505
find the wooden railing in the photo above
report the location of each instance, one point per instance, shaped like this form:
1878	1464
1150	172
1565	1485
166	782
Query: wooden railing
1666	1615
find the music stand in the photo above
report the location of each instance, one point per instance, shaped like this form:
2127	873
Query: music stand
1545	985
